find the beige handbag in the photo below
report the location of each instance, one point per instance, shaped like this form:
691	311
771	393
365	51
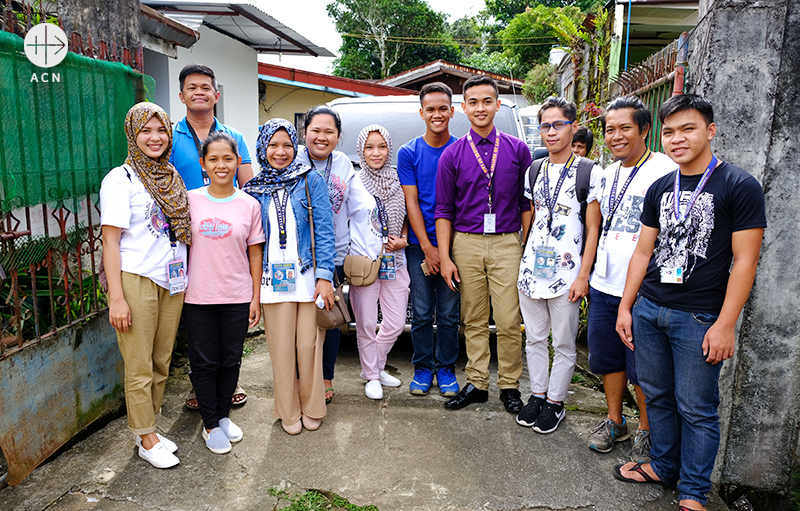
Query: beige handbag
361	270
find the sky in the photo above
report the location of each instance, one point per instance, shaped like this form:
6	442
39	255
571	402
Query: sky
310	19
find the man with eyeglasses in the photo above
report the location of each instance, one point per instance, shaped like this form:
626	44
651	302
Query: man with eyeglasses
552	280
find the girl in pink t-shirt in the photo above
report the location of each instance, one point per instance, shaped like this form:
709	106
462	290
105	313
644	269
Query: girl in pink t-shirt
223	296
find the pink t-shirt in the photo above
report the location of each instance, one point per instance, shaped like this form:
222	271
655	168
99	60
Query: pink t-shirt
222	229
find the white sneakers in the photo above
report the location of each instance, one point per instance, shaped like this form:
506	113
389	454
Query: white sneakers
373	389
169	444
386	379
159	456
232	431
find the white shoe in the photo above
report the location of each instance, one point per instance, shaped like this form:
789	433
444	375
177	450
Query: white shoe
159	456
216	441
169	444
232	431
373	389
386	379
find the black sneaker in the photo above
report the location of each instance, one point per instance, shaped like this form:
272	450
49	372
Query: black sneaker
530	411
550	417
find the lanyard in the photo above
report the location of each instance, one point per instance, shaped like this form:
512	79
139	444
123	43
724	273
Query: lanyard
203	173
614	200
676	191
173	240
489	173
327	172
383	218
550	202
280	212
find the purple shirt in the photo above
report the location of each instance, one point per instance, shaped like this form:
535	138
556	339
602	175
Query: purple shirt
461	186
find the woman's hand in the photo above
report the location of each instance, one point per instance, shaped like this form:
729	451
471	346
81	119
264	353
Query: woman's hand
119	314
255	312
396	243
325	290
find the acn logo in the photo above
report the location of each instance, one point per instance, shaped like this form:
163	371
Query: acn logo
46	45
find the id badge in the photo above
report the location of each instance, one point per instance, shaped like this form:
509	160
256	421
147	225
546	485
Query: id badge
672	275
387	271
283	277
177	276
544	265
489	223
601	264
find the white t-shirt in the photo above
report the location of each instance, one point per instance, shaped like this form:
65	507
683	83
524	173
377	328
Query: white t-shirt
144	243
305	283
365	234
623	234
566	235
346	193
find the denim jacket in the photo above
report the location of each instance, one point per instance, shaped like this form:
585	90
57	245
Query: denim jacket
323	224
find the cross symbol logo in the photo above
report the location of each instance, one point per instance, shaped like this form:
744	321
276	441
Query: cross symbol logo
46	45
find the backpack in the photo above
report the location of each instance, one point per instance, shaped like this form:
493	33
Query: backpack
582	177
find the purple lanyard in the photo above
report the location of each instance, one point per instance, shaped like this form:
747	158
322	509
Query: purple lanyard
676	191
489	173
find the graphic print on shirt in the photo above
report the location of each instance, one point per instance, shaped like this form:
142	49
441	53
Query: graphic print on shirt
627	214
336	189
374	223
679	245
157	223
215	228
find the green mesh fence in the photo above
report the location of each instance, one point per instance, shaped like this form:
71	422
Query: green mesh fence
59	139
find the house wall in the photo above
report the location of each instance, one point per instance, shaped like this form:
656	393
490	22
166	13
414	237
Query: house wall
157	66
284	101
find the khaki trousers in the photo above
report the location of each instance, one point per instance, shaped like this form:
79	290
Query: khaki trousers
295	347
488	267
146	348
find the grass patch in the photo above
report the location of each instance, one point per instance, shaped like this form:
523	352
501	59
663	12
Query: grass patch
247	350
317	500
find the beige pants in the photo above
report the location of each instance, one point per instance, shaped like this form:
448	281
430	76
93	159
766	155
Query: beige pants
488	267
295	347
146	348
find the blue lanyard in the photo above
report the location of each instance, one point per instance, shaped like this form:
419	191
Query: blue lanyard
614	200
327	172
383	218
280	212
550	202
676	191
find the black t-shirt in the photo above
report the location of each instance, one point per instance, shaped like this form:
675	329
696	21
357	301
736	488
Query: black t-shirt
731	201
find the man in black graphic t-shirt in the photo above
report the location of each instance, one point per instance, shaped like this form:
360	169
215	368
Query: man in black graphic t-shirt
689	297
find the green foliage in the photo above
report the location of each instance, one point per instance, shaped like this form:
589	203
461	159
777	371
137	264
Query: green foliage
317	500
466	33
529	36
504	63
540	83
504	11
385	37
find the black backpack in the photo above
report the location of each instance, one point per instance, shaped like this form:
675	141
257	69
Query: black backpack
582	178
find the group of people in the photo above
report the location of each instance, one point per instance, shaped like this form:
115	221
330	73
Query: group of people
475	228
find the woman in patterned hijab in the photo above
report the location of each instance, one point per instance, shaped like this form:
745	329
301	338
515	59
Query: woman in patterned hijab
270	178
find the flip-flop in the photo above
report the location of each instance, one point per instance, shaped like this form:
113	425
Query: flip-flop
329	399
239	392
191	397
639	470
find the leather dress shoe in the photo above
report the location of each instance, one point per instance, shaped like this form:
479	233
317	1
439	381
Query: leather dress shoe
468	395
511	400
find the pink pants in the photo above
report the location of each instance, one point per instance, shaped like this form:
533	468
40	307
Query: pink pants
393	294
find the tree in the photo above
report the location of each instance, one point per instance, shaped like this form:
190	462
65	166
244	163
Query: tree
496	62
540	83
385	37
466	33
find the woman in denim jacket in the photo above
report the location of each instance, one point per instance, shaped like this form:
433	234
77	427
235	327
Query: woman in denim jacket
292	280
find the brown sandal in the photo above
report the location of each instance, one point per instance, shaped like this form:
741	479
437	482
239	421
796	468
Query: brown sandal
639	470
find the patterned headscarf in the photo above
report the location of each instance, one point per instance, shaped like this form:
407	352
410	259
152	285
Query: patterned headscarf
383	183
270	179
159	177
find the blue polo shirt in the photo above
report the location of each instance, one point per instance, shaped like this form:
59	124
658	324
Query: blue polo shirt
184	153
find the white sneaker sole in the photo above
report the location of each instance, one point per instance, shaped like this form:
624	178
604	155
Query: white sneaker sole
224	450
157	464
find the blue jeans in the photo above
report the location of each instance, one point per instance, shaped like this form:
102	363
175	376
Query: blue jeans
330	348
682	392
429	294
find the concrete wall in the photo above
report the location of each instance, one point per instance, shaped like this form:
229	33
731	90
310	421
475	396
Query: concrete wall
745	58
107	20
236	68
157	66
284	101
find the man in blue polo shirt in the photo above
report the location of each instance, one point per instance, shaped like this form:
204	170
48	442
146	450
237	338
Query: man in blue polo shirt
199	93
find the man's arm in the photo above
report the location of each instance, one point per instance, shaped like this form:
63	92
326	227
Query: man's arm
580	287
244	173
720	340
527	220
417	222
637	269
444	230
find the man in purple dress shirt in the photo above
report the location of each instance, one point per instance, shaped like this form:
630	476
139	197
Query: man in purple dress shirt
480	208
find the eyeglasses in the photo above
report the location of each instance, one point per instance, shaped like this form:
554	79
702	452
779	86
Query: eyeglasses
558	125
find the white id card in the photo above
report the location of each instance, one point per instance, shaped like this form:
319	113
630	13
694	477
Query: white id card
601	264
544	264
489	223
672	275
176	271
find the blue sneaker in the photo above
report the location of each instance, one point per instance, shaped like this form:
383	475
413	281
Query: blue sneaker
446	379
423	379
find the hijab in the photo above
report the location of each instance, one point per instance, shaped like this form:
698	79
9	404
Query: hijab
159	177
383	183
270	178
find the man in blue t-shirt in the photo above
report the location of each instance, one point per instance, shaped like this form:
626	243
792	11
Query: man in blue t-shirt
417	162
695	221
199	93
